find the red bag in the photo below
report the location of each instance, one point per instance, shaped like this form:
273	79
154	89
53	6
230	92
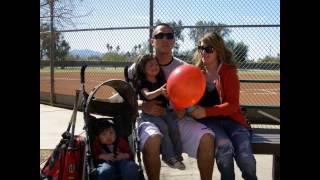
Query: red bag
67	160
66	163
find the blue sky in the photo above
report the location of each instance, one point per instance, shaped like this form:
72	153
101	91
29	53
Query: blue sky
130	13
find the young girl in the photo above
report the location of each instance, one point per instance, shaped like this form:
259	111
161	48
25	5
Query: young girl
149	81
112	154
219	108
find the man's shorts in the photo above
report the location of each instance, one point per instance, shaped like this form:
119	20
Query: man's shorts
191	132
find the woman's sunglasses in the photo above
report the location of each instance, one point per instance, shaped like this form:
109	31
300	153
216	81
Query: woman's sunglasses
162	35
207	49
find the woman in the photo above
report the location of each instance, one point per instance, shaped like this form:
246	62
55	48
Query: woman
219	108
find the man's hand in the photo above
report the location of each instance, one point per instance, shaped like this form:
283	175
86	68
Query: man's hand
153	107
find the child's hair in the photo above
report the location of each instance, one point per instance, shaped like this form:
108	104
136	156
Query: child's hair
140	73
102	125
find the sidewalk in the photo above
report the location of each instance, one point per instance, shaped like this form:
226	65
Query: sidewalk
54	121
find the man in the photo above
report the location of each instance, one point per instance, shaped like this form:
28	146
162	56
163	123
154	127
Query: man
197	139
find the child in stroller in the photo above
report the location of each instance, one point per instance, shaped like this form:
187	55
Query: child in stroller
73	158
112	153
120	108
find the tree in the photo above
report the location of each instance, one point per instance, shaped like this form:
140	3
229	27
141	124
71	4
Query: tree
270	59
44	41
62	46
63	10
240	50
62	49
118	48
196	33
108	47
112	56
143	47
135	49
139	47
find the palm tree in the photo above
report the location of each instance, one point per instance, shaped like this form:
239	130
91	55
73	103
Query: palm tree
117	48
135	48
108	46
139	47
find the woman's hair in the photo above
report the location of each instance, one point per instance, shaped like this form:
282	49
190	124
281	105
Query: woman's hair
140	73
224	54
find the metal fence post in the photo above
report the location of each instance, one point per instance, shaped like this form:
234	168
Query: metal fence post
151	25
52	95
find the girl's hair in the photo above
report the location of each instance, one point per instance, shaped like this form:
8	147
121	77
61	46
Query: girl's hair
140	73
224	54
103	124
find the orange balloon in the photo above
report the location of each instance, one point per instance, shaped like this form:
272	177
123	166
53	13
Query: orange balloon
185	86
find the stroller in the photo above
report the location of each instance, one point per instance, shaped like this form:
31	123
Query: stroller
121	108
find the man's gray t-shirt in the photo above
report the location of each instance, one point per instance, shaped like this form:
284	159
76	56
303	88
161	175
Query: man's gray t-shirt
167	69
190	130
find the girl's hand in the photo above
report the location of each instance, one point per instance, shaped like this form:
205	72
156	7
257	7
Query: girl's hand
163	89
198	113
121	156
107	156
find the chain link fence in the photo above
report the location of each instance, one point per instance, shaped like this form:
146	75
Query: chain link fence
107	35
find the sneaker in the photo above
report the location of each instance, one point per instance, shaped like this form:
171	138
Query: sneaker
174	163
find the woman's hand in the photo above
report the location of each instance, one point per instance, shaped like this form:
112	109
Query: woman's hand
107	156
198	113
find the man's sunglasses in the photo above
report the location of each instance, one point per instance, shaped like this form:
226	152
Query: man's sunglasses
162	35
207	49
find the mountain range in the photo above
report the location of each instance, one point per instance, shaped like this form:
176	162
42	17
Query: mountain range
85	53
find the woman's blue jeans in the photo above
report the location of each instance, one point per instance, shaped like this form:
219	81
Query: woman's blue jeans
127	169
232	140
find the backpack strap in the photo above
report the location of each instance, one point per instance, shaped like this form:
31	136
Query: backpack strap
73	119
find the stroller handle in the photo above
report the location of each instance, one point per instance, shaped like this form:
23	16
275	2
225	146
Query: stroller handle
83	68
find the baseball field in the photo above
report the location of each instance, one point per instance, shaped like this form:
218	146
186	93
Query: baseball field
66	81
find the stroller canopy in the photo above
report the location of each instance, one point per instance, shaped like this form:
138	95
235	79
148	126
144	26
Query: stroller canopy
122	106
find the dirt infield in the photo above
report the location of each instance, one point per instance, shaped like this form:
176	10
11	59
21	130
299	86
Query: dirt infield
250	93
